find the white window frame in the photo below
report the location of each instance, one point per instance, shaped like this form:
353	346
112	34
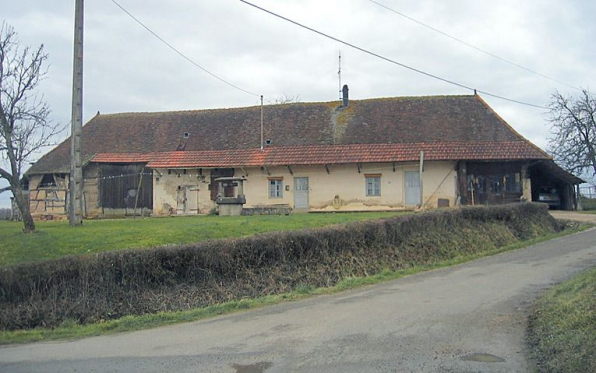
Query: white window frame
375	185
276	188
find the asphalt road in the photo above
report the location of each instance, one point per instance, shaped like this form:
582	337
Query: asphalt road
468	318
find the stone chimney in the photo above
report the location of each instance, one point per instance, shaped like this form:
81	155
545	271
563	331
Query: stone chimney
345	100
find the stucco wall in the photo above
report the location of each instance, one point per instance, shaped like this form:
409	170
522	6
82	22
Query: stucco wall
343	181
166	191
91	191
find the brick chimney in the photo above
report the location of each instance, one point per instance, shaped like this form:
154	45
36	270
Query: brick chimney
345	100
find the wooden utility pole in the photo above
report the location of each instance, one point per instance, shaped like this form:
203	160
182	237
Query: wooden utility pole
76	165
420	173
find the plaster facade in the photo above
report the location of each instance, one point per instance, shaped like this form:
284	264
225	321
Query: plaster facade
331	188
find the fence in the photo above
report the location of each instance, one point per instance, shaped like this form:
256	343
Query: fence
588	197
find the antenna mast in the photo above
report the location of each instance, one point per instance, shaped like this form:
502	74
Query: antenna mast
339	76
262	144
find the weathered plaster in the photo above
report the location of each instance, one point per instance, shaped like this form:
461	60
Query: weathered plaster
166	191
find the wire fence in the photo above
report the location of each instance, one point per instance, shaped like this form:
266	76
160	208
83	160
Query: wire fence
588	197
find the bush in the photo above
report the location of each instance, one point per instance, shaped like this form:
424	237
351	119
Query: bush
117	283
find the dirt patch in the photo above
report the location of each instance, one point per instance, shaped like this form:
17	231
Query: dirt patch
575	216
252	368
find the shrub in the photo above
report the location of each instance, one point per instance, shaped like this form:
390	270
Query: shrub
117	283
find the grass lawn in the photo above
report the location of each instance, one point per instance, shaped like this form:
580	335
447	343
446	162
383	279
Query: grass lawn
563	327
57	239
69	330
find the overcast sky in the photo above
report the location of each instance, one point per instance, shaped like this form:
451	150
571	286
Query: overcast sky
126	69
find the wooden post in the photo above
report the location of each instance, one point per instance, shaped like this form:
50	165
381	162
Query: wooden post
462	184
420	178
578	197
134	211
76	165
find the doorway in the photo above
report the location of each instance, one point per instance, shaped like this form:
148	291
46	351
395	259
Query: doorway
301	193
412	181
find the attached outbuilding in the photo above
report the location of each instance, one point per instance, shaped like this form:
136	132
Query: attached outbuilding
377	154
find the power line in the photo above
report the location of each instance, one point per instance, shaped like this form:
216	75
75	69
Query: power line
473	46
180	53
392	61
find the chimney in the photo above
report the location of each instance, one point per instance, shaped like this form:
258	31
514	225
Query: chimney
344	91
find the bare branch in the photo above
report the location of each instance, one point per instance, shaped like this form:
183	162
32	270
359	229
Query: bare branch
284	99
573	126
25	127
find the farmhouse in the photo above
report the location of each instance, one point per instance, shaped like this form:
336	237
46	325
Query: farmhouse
376	154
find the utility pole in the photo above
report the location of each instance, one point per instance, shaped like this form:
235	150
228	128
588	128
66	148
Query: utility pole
75	214
420	174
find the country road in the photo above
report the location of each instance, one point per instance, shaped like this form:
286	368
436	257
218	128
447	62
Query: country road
467	318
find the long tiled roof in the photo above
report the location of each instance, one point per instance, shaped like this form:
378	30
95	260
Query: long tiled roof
327	154
454	127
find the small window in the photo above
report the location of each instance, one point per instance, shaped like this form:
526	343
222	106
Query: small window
373	185
47	181
276	188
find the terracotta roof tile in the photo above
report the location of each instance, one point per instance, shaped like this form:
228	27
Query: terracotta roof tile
330	154
403	120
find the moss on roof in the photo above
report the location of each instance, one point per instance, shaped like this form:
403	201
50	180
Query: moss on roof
371	121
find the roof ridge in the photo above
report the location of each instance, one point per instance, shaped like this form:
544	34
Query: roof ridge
324	103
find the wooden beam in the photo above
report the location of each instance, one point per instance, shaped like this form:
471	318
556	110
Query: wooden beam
359	166
327	168
290	169
393	166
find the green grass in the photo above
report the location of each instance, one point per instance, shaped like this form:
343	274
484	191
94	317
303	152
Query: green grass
563	328
589	204
56	239
72	330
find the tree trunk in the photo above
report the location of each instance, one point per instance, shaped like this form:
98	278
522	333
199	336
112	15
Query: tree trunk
23	205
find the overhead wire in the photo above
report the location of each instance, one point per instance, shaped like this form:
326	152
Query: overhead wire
391	60
182	54
473	46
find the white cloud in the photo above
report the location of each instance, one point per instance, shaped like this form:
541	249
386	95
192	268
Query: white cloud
127	69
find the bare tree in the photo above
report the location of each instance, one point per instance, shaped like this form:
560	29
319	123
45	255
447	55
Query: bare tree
24	124
573	124
284	99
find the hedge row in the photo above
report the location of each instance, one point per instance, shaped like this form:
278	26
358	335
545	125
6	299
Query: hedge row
117	283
